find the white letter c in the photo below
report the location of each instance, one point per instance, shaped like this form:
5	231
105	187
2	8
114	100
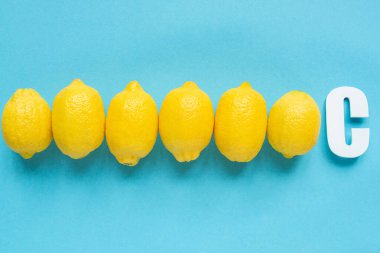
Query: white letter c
336	126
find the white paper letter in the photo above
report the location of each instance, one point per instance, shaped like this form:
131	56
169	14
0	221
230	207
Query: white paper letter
336	126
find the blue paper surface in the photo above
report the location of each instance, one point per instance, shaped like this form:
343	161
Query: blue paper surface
314	203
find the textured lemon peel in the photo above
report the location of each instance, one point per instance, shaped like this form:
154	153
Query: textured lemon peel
131	124
186	122
294	124
26	123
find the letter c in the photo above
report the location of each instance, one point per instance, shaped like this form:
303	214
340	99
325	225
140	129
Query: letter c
336	126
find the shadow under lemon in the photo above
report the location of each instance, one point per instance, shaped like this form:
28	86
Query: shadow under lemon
159	160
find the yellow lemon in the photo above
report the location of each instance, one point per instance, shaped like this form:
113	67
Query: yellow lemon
131	124
26	123
186	122
240	123
78	120
294	124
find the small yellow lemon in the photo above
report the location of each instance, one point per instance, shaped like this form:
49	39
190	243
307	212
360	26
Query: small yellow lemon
26	123
186	122
78	120
294	124
240	123
131	124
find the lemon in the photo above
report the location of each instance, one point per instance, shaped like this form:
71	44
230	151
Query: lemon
294	124
186	122
26	123
131	124
240	123
78	120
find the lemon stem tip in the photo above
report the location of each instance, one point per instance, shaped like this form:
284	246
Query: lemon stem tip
186	157
190	84
288	156
245	85
77	81
129	161
26	155
133	85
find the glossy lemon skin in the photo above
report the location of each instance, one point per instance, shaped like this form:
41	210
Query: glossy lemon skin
78	120
186	122
26	123
240	123
131	124
294	124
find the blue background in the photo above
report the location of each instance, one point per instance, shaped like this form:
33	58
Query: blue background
315	203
